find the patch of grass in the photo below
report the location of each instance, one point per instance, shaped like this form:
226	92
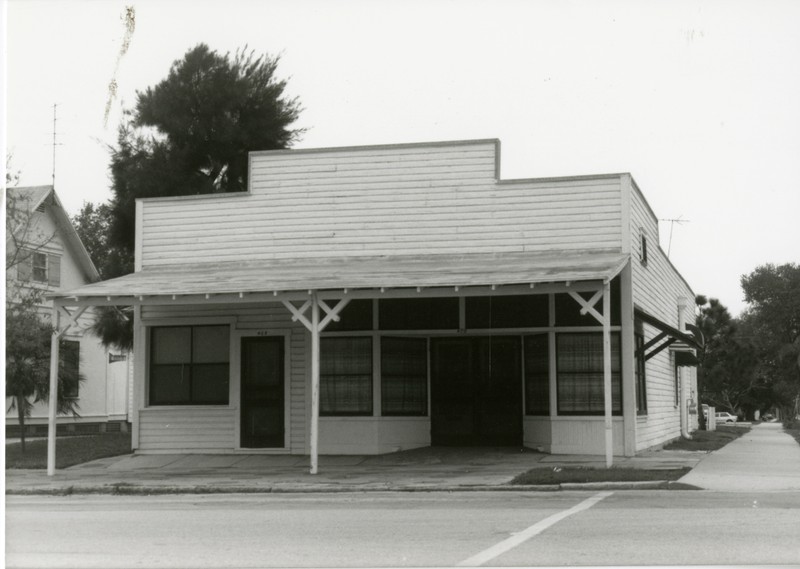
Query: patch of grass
708	440
577	474
792	427
69	450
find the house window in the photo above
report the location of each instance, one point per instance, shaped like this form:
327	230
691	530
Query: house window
404	376
537	375
677	385
643	256
641	381
39	267
189	365
579	364
69	372
345	376
39	261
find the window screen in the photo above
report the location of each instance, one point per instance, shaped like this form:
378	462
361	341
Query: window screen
579	362
404	376
345	376
537	375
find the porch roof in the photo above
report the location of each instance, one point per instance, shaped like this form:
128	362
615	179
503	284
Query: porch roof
353	274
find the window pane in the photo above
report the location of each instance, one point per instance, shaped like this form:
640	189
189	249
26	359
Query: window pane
210	384
211	344
171	345
170	385
523	311
580	374
357	315
346	376
40	267
537	375
418	314
404	376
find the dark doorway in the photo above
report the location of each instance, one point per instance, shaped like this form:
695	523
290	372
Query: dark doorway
262	392
476	391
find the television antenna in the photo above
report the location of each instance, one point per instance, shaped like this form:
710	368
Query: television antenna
55	105
680	221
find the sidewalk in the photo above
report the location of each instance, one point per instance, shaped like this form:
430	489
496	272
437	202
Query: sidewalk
430	469
764	459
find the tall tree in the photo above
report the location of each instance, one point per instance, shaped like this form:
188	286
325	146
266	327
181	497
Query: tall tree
773	326
93	224
191	133
727	373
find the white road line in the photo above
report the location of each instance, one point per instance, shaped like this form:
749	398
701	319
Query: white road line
532	531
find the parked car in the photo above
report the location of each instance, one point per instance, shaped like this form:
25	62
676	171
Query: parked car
725	417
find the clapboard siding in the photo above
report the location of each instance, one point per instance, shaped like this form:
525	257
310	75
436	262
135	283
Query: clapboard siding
657	287
382	201
248	317
182	429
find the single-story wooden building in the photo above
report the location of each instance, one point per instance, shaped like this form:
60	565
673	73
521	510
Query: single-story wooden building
371	299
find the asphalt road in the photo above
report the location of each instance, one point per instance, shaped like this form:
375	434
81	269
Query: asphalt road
404	529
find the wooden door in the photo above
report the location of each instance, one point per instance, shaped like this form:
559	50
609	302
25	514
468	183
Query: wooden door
262	397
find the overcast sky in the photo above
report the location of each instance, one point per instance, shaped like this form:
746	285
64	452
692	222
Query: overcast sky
697	100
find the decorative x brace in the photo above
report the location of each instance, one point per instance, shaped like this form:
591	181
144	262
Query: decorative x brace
73	319
587	306
331	313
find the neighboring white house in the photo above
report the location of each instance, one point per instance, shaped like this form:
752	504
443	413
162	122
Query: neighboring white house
54	259
371	299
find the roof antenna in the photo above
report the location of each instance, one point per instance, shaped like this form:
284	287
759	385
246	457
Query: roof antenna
672	222
54	145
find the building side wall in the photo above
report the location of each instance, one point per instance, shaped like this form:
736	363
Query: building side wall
382	201
657	288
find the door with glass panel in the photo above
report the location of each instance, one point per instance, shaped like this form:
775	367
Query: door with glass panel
262	392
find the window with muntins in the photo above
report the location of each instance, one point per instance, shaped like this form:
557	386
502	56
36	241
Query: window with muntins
39	267
345	381
190	365
404	376
579	364
39	261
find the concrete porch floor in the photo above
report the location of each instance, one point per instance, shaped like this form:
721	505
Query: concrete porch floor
432	468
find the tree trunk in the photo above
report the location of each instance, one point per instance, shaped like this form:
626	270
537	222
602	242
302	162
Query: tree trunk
21	414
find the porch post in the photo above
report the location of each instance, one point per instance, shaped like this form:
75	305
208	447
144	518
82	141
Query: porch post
607	372
314	381
53	400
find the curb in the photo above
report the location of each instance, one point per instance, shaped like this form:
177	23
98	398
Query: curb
128	490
